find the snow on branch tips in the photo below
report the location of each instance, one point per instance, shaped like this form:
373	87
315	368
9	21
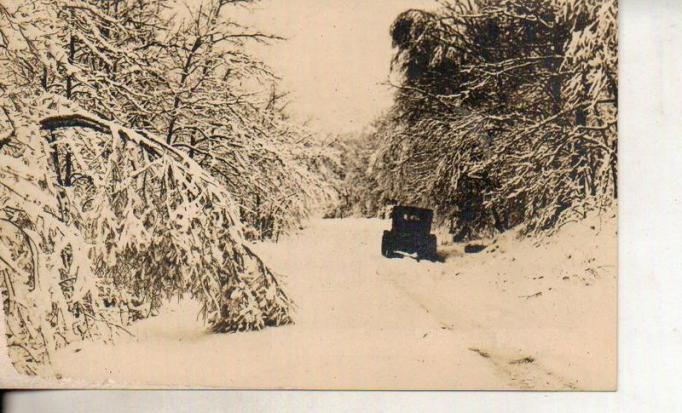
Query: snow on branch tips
143	148
504	115
180	225
133	223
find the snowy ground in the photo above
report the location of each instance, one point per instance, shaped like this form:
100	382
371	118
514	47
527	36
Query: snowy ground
515	316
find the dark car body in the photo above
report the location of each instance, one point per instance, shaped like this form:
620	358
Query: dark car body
410	233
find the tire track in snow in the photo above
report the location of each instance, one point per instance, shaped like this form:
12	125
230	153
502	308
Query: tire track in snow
525	373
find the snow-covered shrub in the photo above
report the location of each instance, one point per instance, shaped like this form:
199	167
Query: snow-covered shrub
50	292
160	225
145	223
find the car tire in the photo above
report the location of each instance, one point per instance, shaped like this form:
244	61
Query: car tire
430	249
387	247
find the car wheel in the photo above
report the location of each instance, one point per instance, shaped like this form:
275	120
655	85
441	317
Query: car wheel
387	245
430	251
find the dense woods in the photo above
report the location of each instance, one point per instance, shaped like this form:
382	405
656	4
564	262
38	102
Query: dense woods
141	146
504	116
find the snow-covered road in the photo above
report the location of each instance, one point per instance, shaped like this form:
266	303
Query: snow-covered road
513	317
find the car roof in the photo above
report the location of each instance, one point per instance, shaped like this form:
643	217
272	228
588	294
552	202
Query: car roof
417	210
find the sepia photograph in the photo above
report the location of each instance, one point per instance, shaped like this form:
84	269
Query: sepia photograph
309	194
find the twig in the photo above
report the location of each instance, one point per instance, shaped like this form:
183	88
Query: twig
527	297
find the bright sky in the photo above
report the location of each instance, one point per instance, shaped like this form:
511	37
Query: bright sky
337	55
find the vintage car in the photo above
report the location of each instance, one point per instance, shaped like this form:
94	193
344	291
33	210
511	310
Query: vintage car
410	234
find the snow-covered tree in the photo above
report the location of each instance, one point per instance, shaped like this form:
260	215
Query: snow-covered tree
504	113
219	113
135	158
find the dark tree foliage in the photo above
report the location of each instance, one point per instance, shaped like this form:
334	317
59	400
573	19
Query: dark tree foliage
504	114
